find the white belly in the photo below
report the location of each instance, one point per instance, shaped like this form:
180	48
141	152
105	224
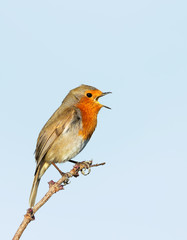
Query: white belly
65	148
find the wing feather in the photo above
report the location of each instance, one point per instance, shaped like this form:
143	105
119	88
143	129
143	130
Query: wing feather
59	123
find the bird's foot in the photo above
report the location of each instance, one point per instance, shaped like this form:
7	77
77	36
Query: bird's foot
67	181
84	167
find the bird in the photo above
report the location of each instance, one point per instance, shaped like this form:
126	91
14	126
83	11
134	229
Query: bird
67	131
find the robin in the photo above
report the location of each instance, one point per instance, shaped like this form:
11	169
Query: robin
67	132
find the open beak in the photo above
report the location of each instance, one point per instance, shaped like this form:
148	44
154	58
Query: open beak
102	95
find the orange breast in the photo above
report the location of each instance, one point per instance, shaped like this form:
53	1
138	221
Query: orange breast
89	111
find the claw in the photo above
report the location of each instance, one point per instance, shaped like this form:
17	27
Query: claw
86	165
82	166
76	175
67	181
85	173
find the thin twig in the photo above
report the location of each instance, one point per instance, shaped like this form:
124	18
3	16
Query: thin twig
53	188
98	164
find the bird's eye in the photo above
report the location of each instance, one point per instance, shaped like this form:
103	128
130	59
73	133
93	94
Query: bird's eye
89	95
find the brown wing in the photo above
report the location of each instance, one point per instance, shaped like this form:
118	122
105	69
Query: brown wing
60	122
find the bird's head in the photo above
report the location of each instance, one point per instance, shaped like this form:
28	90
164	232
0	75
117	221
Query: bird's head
87	96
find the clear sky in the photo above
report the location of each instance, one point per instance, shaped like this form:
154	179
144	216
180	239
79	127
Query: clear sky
137	50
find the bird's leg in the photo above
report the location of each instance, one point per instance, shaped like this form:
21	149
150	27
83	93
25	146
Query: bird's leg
73	161
86	163
61	173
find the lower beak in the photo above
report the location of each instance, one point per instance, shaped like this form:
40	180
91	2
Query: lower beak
102	95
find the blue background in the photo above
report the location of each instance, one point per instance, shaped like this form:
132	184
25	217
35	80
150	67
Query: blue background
137	50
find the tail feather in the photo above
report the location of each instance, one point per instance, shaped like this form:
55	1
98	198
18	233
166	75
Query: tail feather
40	170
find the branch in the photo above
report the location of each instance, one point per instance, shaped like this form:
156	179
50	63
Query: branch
53	188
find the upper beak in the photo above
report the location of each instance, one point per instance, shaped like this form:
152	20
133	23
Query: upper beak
103	94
